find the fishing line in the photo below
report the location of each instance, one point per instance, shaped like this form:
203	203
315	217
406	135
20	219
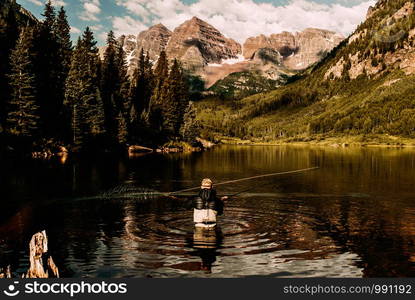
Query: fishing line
251	188
246	179
125	191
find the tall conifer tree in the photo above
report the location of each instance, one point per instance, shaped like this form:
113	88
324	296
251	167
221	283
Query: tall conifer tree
175	100
190	128
47	68
91	96
23	115
110	85
64	47
74	107
115	86
154	116
9	33
143	85
122	133
82	98
124	81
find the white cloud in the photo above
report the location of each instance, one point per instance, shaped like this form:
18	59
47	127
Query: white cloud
36	2
92	8
58	3
75	30
136	8
102	36
240	19
54	2
127	25
97	27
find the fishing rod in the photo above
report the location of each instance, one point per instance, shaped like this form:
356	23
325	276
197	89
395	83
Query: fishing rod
125	192
262	185
246	179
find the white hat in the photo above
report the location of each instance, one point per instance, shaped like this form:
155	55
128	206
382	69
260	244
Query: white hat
207	183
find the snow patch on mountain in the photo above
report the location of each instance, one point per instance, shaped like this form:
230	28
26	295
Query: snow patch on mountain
231	61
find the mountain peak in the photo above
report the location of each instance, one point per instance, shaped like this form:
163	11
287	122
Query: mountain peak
196	19
159	26
197	43
198	23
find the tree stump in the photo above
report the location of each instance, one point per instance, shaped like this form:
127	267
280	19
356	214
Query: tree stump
41	264
6	273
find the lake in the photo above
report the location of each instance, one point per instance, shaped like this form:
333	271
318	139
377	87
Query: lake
352	217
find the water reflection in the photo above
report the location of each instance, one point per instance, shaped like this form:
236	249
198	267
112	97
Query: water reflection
206	241
353	217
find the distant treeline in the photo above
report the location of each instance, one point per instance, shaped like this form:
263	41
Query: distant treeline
55	93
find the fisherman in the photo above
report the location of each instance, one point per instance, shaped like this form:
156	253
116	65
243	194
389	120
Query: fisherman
207	205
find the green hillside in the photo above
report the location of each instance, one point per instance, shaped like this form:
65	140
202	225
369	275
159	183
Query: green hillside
364	88
243	84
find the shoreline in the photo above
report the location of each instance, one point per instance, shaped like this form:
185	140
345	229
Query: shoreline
378	141
344	142
63	152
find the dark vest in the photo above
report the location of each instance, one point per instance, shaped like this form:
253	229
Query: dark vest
207	199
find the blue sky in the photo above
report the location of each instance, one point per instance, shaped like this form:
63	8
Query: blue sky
237	19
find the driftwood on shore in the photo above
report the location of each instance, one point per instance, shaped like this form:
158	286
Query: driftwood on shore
41	263
205	143
49	153
139	149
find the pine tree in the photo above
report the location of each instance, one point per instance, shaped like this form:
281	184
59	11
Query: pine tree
162	68
47	69
139	78
174	101
73	105
124	82
141	63
190	128
64	43
109	66
95	112
49	14
78	125
63	35
148	64
82	98
91	97
23	116
134	95
154	113
122	134
9	34
142	87
115	86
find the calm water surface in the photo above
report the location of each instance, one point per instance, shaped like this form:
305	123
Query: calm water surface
353	217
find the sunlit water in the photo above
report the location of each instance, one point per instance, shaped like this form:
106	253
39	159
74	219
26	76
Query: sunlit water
353	217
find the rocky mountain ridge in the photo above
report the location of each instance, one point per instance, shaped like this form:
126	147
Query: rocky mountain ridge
299	50
22	15
205	51
378	49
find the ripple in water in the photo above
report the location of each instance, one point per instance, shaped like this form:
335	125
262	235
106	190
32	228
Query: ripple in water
246	242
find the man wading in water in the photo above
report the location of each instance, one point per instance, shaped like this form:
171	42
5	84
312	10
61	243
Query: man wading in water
207	205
